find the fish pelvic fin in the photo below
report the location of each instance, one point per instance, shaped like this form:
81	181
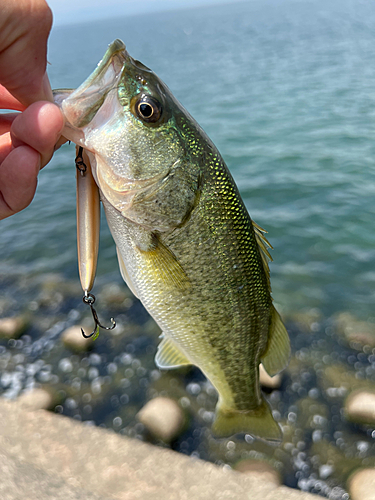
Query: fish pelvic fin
169	355
258	422
277	354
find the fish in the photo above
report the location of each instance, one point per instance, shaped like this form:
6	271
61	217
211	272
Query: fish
186	245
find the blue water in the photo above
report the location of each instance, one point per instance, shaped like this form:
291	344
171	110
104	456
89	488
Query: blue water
286	91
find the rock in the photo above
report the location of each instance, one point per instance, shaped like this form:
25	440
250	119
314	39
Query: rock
333	462
361	484
313	414
42	453
12	328
37	399
338	380
163	418
73	339
114	295
268	381
54	289
260	470
308	321
357	333
360	407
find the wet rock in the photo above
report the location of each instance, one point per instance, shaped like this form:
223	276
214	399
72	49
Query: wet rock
163	418
307	321
360	407
268	381
54	289
357	333
260	470
38	399
332	461
73	339
313	414
361	484
114	295
12	328
338	380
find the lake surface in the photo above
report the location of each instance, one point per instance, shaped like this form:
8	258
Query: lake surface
286	91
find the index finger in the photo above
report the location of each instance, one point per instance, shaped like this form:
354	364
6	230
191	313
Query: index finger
8	101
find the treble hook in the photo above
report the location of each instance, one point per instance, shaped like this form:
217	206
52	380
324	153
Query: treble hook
89	299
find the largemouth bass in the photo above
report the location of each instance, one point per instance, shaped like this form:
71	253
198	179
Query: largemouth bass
186	246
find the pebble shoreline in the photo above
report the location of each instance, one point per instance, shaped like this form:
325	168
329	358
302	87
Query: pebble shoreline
110	383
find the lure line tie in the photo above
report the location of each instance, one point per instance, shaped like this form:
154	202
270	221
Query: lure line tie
80	164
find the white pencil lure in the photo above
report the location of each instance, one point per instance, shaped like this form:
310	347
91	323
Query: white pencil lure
88	228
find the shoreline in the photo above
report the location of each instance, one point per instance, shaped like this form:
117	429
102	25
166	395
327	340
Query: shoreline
106	383
48	457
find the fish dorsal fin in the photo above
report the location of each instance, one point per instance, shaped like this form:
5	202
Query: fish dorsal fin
263	245
161	263
277	354
169	355
124	273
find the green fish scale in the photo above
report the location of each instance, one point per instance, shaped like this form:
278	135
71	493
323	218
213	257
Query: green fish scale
221	322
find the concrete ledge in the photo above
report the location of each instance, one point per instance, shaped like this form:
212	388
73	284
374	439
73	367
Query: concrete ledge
44	456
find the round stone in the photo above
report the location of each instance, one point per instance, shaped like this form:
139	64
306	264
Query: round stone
163	418
12	328
73	339
37	399
361	484
268	381
360	407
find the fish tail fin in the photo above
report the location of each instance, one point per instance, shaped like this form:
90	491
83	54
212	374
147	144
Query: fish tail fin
258	422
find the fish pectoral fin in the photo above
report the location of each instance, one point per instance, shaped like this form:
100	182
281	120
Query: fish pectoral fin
163	265
258	422
169	355
124	273
277	354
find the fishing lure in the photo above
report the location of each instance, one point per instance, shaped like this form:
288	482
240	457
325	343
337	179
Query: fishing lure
88	228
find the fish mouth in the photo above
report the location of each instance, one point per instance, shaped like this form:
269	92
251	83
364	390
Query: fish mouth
86	110
79	106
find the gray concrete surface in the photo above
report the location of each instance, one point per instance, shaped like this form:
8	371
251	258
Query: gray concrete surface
44	456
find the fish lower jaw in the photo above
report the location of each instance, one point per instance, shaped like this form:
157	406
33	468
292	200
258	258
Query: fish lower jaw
74	135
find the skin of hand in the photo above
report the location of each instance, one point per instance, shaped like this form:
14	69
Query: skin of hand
27	139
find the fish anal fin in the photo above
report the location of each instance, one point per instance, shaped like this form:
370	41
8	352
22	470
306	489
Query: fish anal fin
169	355
161	262
258	422
276	357
124	273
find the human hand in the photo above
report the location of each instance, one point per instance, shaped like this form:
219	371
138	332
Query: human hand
27	139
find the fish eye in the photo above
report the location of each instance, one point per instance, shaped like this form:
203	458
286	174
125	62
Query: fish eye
148	109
